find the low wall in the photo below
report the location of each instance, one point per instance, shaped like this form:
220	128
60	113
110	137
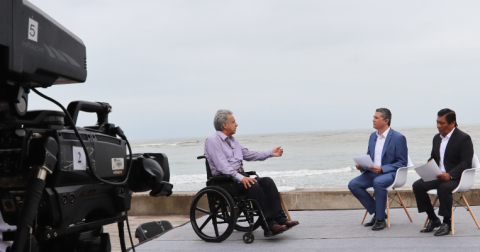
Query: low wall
300	199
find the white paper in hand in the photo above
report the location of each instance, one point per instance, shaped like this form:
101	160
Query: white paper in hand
364	161
428	171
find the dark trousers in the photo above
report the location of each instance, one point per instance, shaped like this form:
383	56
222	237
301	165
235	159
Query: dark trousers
444	191
266	193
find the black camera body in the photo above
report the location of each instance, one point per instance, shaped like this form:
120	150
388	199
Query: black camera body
59	183
71	194
73	201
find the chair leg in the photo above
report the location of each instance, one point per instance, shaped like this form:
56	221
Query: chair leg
470	210
404	207
284	207
434	203
364	216
388	213
453	224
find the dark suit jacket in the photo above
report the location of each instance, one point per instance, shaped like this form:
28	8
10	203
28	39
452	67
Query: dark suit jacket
458	153
394	153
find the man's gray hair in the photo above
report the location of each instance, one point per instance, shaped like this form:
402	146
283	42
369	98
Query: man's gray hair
386	114
220	118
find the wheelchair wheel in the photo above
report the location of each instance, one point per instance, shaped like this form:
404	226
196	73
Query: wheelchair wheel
242	224
213	214
248	238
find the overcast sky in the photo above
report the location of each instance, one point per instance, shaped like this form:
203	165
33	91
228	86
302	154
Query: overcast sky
280	66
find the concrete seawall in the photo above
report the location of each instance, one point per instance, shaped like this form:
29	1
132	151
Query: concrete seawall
300	199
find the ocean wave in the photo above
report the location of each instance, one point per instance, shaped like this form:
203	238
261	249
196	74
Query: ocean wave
147	145
188	179
167	143
202	178
411	170
301	173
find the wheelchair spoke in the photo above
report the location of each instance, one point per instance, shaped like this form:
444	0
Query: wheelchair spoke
216	228
206	222
202	210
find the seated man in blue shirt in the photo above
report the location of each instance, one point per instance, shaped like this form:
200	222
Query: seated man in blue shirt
388	150
225	155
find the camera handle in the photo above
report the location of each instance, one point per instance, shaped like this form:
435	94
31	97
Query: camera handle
100	108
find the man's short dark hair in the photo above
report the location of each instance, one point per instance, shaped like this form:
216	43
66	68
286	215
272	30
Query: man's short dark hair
449	115
386	114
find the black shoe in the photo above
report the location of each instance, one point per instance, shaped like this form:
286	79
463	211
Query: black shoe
443	230
379	225
371	222
431	225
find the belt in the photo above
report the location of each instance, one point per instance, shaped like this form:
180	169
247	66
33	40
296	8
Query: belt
240	170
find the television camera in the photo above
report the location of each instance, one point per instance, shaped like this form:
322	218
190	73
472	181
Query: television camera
59	183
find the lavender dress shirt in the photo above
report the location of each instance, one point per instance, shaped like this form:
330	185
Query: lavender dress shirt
225	155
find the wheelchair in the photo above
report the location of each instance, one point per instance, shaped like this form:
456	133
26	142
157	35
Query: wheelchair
225	210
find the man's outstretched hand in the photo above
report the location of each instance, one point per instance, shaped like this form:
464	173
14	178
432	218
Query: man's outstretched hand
278	152
247	182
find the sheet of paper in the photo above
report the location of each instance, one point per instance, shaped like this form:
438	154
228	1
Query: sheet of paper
365	161
428	171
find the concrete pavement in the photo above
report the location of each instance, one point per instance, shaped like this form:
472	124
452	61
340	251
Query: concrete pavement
334	230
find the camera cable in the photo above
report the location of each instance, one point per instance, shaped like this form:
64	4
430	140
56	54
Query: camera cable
129	233
90	167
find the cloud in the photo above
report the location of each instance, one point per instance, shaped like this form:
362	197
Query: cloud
167	66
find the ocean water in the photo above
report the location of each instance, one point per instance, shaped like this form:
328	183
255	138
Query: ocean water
310	160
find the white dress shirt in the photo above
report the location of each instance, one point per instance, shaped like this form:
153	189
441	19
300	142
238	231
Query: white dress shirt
443	146
377	157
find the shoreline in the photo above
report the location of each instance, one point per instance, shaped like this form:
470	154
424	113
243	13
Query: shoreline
300	199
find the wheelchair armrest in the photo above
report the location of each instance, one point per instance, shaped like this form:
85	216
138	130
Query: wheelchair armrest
201	157
221	178
251	173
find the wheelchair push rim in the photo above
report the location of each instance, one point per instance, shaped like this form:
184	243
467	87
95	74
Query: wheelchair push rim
216	221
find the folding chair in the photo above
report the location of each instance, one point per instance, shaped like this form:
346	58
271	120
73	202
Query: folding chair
400	180
466	182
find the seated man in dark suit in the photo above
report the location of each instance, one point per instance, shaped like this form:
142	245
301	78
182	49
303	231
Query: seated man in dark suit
388	150
225	155
452	150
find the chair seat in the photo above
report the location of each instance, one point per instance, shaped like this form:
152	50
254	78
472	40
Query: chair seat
400	178
433	191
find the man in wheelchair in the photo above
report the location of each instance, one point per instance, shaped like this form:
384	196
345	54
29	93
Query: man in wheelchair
225	155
